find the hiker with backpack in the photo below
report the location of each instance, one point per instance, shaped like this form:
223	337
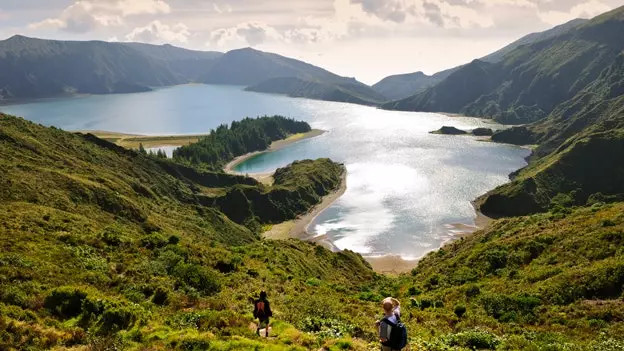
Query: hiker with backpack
262	311
392	332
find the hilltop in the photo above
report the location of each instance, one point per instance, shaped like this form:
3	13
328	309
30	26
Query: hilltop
402	86
36	68
531	80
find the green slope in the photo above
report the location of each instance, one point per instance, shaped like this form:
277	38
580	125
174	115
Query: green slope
104	246
580	152
532	79
544	282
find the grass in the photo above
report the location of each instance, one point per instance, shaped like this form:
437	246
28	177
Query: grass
106	248
133	141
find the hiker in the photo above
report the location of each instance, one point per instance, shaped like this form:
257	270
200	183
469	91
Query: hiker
262	311
392	333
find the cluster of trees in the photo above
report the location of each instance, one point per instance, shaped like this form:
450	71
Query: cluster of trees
159	154
248	135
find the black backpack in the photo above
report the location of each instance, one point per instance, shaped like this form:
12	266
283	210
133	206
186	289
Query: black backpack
398	335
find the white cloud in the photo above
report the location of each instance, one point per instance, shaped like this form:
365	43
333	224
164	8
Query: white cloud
244	34
584	10
158	32
87	15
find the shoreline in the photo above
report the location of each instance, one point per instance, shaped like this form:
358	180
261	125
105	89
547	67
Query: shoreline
275	146
298	227
395	264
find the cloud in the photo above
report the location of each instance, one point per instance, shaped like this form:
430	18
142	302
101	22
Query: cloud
157	32
87	15
244	34
219	10
583	10
391	10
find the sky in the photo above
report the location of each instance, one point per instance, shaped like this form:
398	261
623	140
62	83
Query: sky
366	39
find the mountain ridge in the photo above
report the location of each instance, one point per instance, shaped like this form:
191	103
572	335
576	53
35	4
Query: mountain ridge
531	80
402	86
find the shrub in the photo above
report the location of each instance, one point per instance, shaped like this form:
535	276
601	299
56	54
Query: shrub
473	291
117	318
414	291
161	296
112	236
313	282
459	310
474	339
65	302
193	345
13	295
511	308
197	277
154	241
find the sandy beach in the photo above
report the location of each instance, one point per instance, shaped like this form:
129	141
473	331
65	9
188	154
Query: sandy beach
298	228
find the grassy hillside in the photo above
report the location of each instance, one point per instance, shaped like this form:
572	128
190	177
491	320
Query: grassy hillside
532	80
545	282
101	245
105	248
580	152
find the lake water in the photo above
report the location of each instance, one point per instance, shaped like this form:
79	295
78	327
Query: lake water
404	185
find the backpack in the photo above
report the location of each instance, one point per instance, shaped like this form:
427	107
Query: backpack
398	335
259	310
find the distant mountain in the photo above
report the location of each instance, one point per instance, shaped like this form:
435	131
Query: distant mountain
404	85
271	73
295	87
34	68
531	80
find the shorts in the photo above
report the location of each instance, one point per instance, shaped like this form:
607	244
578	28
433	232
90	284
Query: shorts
263	323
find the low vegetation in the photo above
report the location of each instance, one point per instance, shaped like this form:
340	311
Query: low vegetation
106	248
227	142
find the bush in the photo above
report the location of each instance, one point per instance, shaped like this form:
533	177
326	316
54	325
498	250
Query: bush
474	339
473	291
197	277
117	318
193	345
154	241
161	296
313	282
414	291
65	302
459	310
13	295
517	308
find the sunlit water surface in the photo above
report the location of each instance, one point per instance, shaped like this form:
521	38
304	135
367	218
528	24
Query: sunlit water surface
405	187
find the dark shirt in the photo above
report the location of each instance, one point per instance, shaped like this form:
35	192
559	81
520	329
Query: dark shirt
262	309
